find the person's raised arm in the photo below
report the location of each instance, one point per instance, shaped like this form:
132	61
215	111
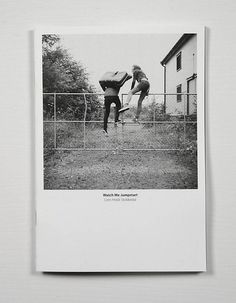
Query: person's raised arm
133	83
134	79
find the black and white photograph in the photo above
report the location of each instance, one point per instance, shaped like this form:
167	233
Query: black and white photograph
120	111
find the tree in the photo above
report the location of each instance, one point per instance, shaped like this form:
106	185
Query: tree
63	74
49	40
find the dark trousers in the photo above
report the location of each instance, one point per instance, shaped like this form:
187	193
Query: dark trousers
108	101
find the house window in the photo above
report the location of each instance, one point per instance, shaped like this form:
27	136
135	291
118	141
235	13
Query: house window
178	61
179	90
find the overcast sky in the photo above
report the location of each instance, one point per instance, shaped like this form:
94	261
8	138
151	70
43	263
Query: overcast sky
101	53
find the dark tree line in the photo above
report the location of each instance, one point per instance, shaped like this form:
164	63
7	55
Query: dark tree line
63	74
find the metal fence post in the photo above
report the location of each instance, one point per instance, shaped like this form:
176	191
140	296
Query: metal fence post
55	120
154	117
185	121
122	124
85	114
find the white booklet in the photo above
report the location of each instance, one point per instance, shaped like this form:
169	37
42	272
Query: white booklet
120	164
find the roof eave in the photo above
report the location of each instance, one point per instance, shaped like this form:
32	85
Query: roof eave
183	39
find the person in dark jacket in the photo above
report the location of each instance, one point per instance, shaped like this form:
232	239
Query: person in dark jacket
110	96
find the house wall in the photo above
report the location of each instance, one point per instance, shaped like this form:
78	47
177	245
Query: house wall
174	77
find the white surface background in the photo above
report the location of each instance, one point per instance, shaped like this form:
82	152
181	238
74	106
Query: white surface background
18	281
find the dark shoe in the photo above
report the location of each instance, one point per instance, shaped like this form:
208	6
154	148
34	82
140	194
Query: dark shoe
123	109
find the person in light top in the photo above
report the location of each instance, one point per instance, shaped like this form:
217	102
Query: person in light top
143	87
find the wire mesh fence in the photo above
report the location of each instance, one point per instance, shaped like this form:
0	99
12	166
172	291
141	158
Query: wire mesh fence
74	121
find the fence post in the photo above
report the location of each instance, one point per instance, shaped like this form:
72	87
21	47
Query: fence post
85	114
184	121
122	123
154	117
55	120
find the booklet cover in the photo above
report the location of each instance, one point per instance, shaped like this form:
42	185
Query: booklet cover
120	164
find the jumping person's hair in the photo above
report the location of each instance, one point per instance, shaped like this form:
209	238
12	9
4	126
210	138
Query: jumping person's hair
136	67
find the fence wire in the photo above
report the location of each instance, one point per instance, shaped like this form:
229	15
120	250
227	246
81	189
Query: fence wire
74	121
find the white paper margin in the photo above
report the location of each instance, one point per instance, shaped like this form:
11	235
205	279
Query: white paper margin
77	231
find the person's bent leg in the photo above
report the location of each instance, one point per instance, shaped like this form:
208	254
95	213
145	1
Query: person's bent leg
140	100
129	97
132	92
118	107
106	114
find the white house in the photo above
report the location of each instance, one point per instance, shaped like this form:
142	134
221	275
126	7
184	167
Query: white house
180	75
